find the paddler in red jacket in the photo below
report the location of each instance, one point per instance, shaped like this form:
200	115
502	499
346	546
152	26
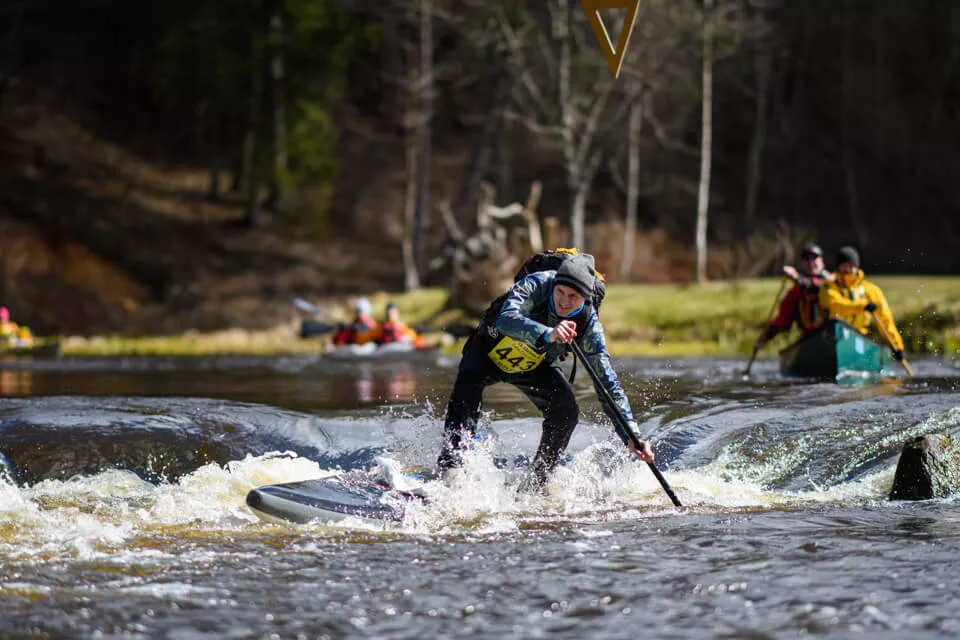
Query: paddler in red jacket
802	303
361	329
394	329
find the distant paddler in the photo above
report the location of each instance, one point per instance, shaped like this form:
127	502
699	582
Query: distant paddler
801	304
13	335
852	298
361	329
395	330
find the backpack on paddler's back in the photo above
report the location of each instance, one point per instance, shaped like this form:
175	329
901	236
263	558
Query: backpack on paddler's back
551	261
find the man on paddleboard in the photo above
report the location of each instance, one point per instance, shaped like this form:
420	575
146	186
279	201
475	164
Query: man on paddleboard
520	340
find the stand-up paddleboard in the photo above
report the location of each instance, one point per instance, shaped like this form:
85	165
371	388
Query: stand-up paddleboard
338	497
329	499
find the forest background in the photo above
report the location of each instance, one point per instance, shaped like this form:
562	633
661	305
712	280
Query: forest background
173	165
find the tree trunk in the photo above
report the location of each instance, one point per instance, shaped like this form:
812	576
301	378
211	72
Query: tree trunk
250	174
759	138
577	214
411	275
577	194
633	189
213	114
216	159
503	162
706	144
8	57
489	136
846	125
425	90
275	201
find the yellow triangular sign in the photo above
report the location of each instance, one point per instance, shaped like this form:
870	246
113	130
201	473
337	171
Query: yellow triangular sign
592	9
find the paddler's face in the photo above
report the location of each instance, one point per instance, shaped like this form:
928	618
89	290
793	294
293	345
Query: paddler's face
566	300
847	273
812	263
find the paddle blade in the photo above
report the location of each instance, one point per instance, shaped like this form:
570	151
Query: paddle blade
906	365
305	307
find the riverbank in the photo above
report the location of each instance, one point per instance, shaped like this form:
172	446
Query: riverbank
718	318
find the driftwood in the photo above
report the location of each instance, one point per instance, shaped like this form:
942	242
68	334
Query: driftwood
482	265
929	467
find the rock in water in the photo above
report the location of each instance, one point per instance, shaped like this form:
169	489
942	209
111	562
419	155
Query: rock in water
929	467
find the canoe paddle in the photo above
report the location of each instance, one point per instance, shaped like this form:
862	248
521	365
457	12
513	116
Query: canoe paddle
886	337
622	421
776	299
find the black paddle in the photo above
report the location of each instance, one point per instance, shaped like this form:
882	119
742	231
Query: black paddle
753	356
621	421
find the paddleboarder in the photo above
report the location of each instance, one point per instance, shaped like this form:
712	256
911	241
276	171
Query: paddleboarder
520	340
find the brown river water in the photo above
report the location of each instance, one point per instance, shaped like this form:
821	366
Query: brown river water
122	510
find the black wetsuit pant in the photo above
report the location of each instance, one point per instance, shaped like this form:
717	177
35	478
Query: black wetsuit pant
547	388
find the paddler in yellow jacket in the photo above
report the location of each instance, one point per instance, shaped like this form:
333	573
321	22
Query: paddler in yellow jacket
851	298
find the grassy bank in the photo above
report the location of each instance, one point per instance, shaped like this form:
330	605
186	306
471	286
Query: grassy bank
719	318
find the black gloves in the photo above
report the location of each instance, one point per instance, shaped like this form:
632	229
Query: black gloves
871	307
898	355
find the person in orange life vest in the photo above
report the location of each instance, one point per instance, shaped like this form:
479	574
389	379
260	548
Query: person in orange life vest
12	334
802	302
394	329
361	329
854	300
7	328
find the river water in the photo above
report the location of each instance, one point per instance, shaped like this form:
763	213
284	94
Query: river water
122	510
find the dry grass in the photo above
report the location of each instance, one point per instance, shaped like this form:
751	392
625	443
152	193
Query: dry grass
719	318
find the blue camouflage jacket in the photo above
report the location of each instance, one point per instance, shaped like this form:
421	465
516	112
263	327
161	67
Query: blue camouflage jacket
528	314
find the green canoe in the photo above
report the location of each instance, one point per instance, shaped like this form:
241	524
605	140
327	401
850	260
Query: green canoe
836	351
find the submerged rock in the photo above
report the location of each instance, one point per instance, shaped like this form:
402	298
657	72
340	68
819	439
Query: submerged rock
929	467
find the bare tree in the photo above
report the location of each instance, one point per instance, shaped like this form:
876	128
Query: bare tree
275	200
762	65
706	143
418	123
562	93
488	137
633	189
425	124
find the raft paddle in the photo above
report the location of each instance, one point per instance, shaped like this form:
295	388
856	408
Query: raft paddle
305	307
621	421
753	356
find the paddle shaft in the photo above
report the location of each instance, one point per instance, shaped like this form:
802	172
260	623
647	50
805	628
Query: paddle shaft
773	307
621	420
883	332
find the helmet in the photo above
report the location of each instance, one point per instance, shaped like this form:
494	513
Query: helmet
362	306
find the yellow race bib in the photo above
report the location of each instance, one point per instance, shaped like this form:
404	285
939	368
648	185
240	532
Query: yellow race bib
515	357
